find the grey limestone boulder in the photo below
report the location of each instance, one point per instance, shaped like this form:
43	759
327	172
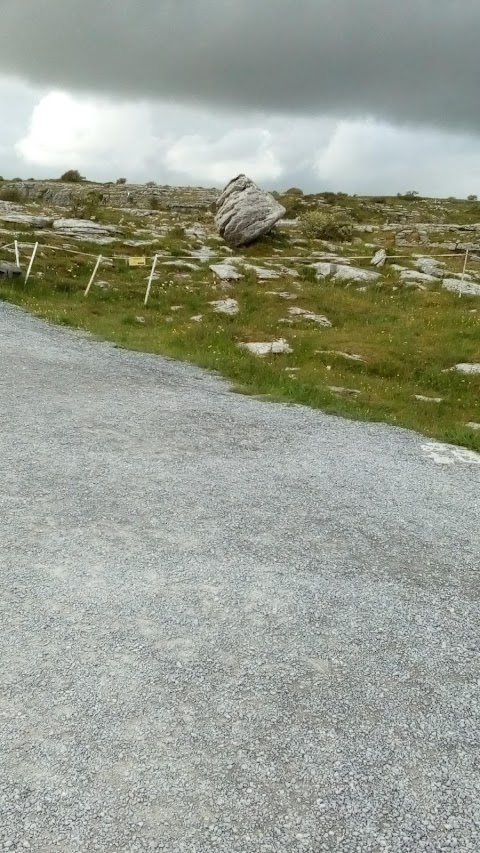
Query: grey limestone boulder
245	212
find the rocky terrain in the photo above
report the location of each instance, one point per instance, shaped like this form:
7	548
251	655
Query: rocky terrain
363	306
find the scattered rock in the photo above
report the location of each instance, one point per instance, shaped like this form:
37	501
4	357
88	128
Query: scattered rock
8	270
463	287
344	392
26	219
473	425
140	320
262	273
86	229
309	315
323	268
430	266
465	368
283	294
428	399
181	265
197	318
344	272
379	258
226	306
415	275
226	272
262	348
348	355
204	253
245	212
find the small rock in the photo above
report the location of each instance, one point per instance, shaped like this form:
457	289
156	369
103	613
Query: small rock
348	355
468	288
283	294
262	273
415	275
140	320
323	268
379	258
225	306
430	266
262	348
473	425
344	272
345	392
465	368
226	272
197	319
181	265
428	399
309	315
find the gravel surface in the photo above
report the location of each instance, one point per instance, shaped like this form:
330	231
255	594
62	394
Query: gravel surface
226	625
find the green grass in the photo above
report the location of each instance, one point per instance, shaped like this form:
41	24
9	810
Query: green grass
407	338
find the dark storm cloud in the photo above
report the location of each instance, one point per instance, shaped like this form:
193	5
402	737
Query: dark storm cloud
402	60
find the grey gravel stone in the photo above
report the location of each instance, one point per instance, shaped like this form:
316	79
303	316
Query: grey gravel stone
227	626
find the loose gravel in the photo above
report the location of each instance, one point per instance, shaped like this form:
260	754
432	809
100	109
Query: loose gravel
226	625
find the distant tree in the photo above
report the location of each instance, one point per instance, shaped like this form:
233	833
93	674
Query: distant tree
410	194
73	176
121	181
294	191
150	184
472	198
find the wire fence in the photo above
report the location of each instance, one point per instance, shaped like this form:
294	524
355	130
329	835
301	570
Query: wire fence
168	259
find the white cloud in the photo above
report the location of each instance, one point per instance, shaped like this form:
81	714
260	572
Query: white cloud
68	132
371	157
180	144
244	150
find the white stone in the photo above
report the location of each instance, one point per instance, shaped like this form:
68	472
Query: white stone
428	399
348	355
415	275
262	348
262	273
181	265
464	287
226	272
245	213
466	368
309	315
345	392
343	272
473	425
379	258
226	306
430	266
26	219
283	294
323	268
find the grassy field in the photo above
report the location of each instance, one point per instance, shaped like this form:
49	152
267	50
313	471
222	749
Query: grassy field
406	340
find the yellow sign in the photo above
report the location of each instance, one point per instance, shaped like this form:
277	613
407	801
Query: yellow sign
137	262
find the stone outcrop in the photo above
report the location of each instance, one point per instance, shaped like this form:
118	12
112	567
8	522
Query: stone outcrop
245	213
134	196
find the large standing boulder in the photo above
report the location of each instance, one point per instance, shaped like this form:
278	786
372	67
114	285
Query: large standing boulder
245	212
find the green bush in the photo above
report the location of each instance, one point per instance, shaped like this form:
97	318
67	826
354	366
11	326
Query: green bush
73	176
10	194
327	225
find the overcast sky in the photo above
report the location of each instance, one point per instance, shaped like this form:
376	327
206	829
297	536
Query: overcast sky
376	96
